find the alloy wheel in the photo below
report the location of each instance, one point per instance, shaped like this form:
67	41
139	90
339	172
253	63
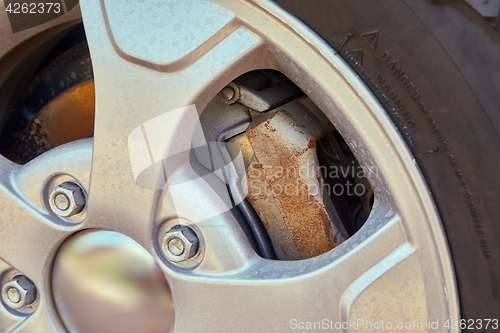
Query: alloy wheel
149	62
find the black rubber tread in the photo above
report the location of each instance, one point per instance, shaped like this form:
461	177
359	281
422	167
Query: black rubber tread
435	66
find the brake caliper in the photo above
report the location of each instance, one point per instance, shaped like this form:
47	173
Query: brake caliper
284	182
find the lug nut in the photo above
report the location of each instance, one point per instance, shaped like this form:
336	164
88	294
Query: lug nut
18	292
67	199
180	243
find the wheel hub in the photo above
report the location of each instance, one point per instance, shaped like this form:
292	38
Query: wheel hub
104	280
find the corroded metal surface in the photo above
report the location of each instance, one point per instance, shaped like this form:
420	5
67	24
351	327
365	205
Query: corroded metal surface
56	108
68	117
284	184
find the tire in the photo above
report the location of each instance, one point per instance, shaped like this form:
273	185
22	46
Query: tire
435	66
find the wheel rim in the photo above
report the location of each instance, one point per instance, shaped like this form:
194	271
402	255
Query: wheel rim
397	268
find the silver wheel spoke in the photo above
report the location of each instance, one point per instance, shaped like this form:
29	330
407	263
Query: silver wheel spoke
40	321
124	87
200	201
325	287
31	233
28	236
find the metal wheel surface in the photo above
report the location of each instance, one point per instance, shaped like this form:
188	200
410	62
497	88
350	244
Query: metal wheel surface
151	60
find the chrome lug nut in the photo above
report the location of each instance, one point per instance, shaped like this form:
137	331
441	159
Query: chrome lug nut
180	243
18	292
67	199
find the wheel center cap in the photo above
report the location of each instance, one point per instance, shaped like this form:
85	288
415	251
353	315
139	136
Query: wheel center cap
104	281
